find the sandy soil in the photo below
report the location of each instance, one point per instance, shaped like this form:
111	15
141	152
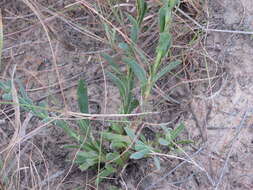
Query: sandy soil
225	116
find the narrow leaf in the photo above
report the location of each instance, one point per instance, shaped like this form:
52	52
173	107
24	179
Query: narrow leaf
157	163
82	95
140	146
162	16
166	69
87	164
134	104
141	10
117	128
173	3
175	133
112	62
139	154
85	127
112	156
106	172
67	129
163	141
116	137
124	46
134	29
185	142
119	83
118	145
71	146
130	133
139	72
164	44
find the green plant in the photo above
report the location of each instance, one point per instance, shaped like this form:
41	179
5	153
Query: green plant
132	55
124	144
120	142
170	135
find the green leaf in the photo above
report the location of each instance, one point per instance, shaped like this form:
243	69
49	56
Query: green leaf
112	62
165	16
116	137
165	129
143	138
91	146
110	34
106	172
71	146
175	133
184	142
166	69
157	163
173	3
141	146
112	156
82	95
124	46
140	154
117	128
118	145
23	92
82	155
139	72
141	10
163	141
87	164
163	44
87	159
162	17
5	86
134	104
84	126
7	96
130	133
67	129
119	83
134	29
41	113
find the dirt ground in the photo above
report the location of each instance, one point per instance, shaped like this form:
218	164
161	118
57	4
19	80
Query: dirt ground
217	112
225	116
